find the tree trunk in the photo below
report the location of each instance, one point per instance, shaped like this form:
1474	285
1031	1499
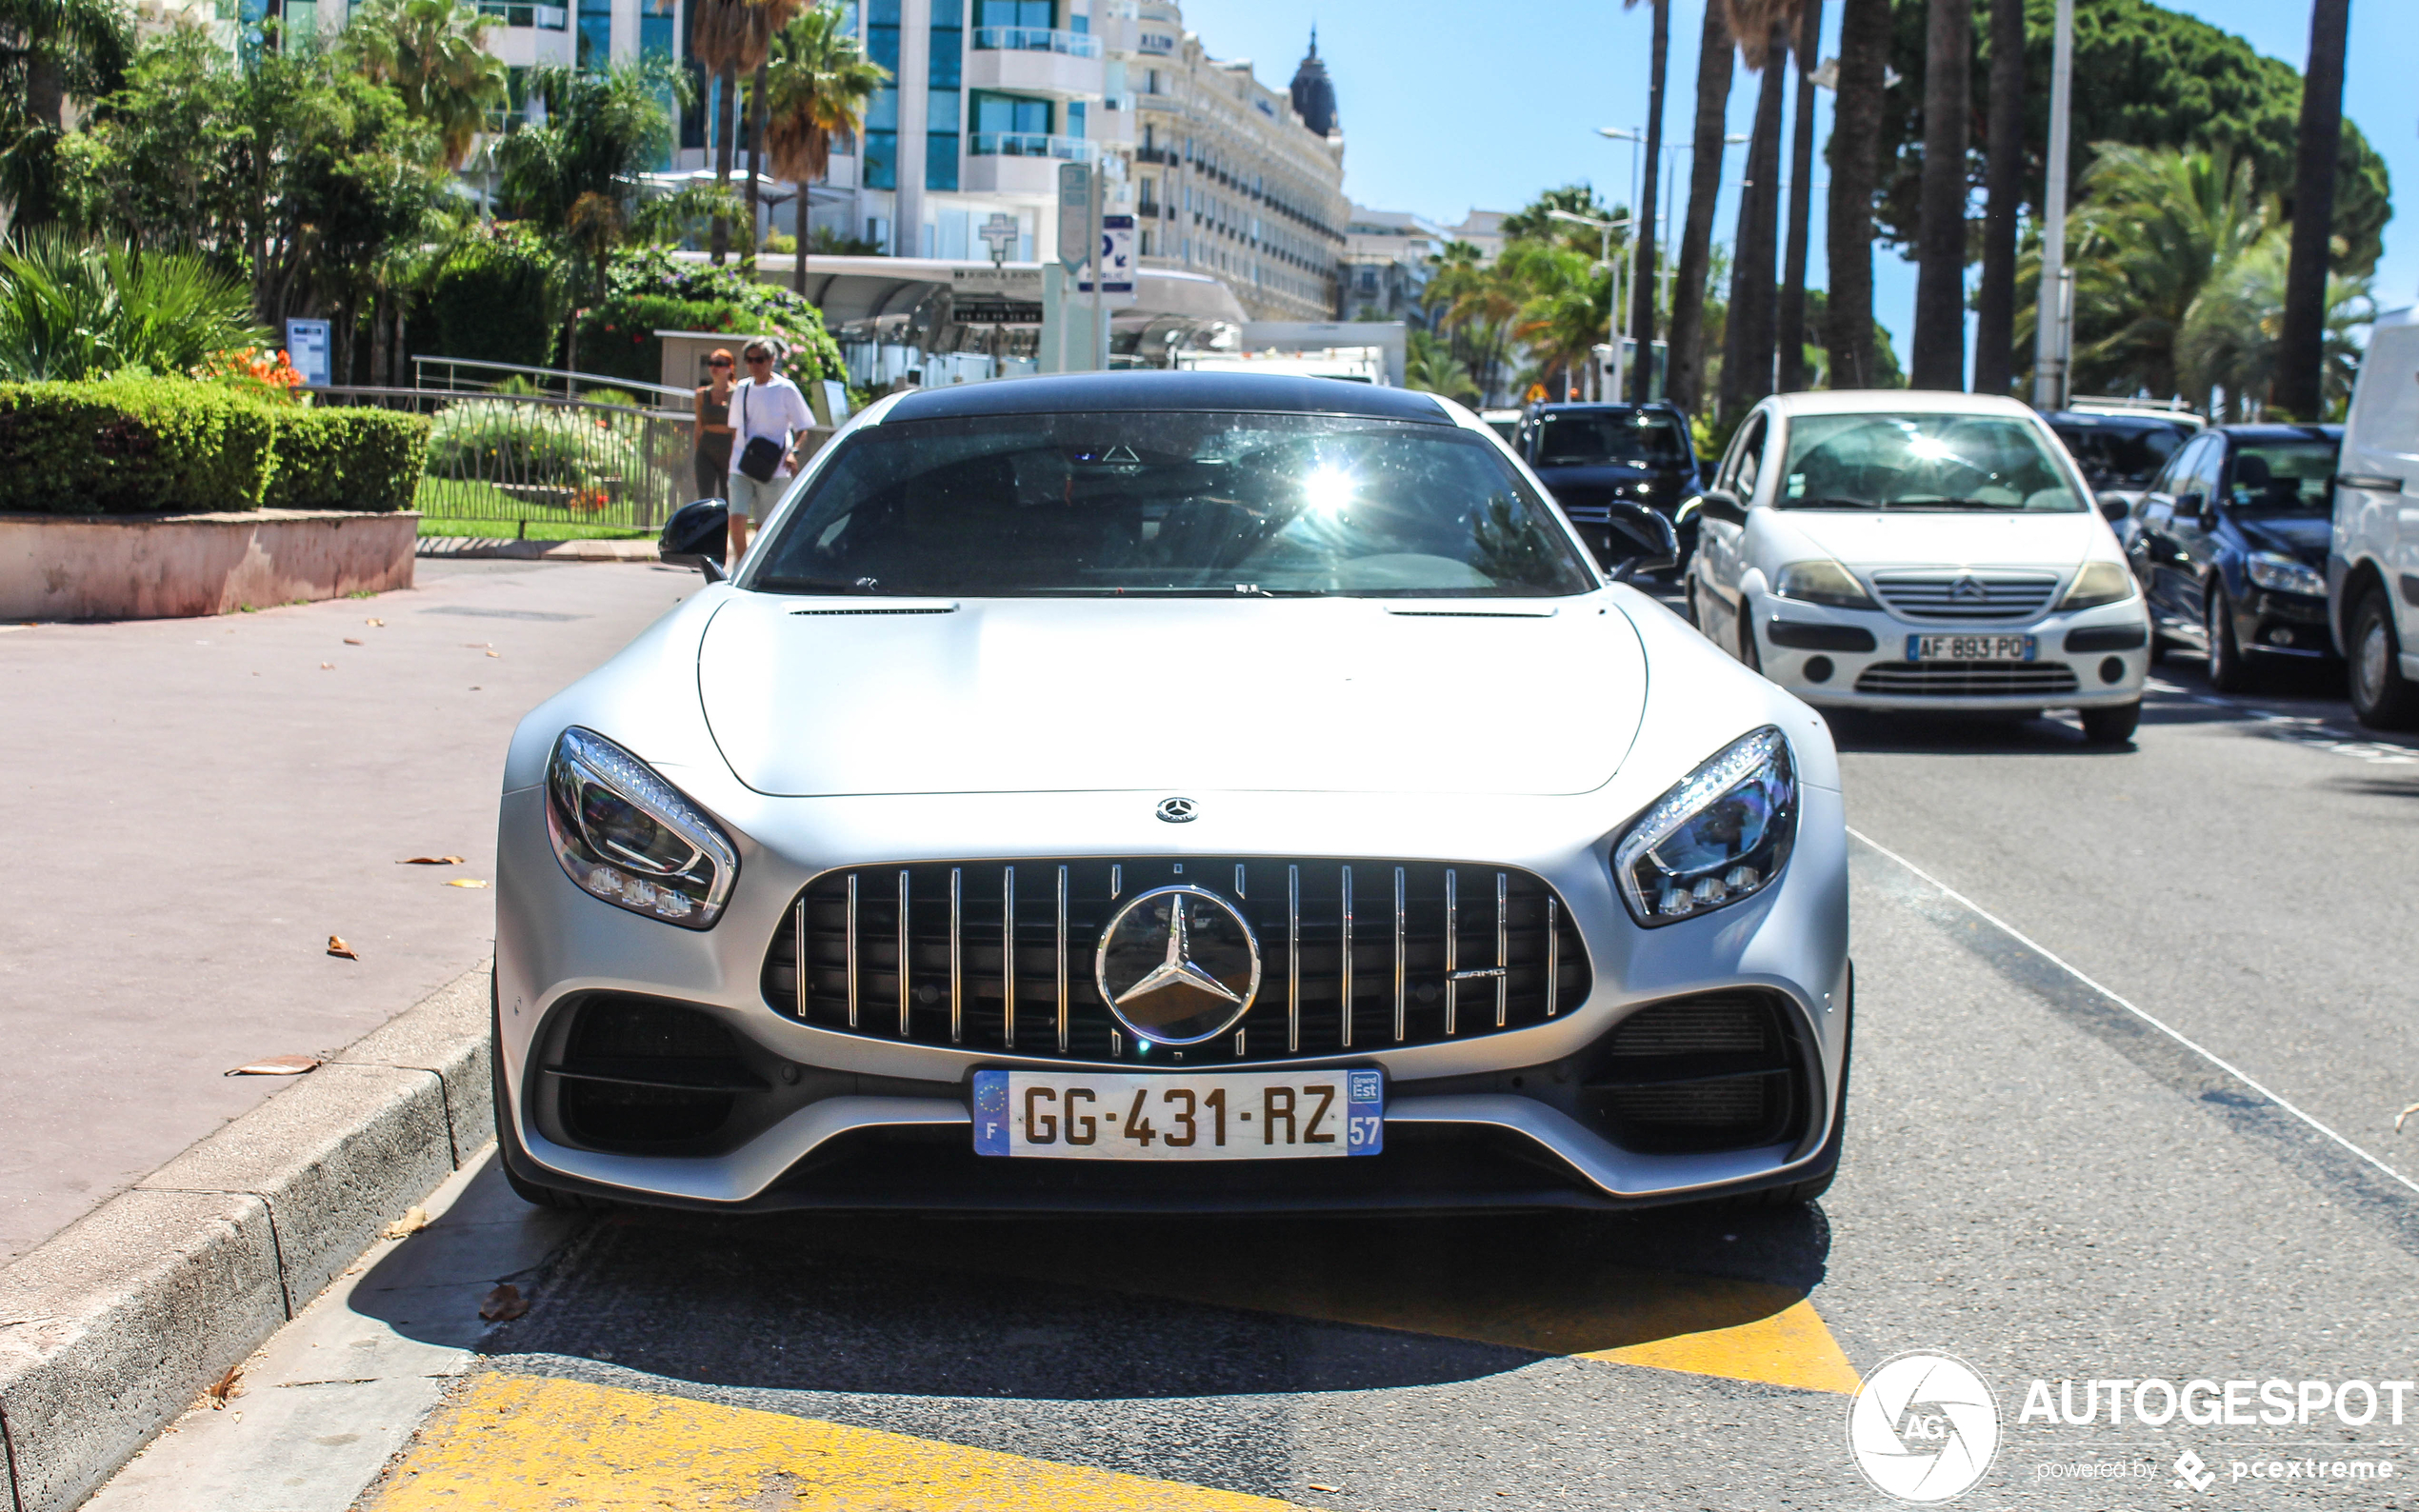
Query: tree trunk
1790	323
1641	239
2301	349
1687	383
726	85
755	162
46	90
1939	360
1855	161
798	264
1995	310
1747	340
378	350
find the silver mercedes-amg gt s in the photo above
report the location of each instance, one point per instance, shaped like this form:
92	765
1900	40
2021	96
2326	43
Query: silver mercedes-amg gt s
1170	791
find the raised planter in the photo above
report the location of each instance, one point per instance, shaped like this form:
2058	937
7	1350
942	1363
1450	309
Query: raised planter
151	566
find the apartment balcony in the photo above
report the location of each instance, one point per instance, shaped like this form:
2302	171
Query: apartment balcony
1018	162
1035	61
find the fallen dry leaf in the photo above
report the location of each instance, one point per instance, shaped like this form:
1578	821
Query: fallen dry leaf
327	666
373	622
429	861
225	1388
499	655
336	947
412	1221
504	1304
279	1066
478	645
2404	1114
1315	1486
466	882
350	640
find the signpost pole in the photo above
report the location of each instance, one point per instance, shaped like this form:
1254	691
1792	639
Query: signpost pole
1077	237
1100	275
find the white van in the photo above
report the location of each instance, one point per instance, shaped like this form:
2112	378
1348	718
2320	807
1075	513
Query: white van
2372	559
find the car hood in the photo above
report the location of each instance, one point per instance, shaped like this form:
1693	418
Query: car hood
2302	537
822	697
1863	539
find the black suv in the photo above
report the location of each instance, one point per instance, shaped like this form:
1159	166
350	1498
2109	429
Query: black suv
1592	455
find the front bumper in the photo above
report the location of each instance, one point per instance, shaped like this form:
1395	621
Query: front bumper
856	1121
1857	659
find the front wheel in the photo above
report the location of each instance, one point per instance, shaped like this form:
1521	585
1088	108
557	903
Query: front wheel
2227	672
2113	725
2382	698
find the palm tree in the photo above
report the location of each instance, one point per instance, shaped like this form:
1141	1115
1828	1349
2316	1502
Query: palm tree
1855	163
1686	381
1567	311
817	85
1760	28
1939	357
51	52
434	54
1430	366
1995	305
2231	337
729	38
1642	294
2298	386
1478	303
1790	323
70	310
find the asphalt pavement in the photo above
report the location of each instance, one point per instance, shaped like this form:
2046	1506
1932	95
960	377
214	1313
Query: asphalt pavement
198	805
2130	1039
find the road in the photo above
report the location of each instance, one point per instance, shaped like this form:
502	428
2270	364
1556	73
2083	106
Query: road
2132	1031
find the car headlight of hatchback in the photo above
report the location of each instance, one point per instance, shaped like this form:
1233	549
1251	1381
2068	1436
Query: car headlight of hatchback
1822	583
627	836
2281	574
1721	835
2099	583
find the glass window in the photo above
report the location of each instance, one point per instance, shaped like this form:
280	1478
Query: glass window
881	159
1077	112
595	33
949	44
1579	438
941	141
1916	461
1745	457
1200	504
2119	456
1042	13
2287	475
882	33
1010	114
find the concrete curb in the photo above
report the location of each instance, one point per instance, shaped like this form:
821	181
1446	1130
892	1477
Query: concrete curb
110	1328
475	546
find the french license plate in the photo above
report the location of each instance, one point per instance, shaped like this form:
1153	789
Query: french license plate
1164	1116
1971	647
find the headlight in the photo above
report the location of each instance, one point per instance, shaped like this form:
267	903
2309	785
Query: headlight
2099	583
2270	569
1822	583
1723	834
631	838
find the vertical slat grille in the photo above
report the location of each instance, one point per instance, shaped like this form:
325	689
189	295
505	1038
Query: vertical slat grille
920	943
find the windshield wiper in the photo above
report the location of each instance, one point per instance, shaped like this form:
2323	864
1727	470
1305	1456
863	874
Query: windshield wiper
1954	503
1829	504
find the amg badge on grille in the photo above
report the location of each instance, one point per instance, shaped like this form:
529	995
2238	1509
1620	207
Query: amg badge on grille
1178	811
1177	965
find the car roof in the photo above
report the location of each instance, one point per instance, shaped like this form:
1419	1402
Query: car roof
2271	430
1141	389
2104	420
1903	401
1604	407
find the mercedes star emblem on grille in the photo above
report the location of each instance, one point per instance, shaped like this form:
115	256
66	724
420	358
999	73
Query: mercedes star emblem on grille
1178	811
1966	590
1177	965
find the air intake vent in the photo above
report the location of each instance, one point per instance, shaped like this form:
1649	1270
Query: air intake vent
1961	596
1967	679
645	1077
1699	1075
1422	951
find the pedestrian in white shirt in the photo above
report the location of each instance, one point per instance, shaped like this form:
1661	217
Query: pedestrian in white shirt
764	407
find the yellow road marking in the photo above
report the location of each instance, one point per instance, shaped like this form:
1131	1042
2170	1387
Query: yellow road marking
521	1443
1505	1284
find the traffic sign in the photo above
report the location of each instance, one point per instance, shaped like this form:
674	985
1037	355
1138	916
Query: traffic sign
1074	213
1117	257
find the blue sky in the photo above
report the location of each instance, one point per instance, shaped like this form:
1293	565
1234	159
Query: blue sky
1447	106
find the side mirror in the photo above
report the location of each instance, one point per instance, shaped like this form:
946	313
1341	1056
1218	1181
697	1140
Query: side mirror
697	535
1634	539
2113	508
2190	504
1721	503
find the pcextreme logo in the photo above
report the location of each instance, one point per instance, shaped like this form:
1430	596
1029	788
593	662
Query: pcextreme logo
1923	1427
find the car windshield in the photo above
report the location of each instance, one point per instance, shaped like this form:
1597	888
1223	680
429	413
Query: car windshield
1583	438
2119	456
1170	502
1922	462
2282	475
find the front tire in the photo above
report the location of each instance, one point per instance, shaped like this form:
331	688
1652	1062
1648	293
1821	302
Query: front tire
2113	725
2227	672
2382	698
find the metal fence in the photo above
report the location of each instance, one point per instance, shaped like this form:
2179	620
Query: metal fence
536	458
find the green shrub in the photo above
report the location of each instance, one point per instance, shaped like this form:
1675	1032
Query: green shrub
498	299
71	310
618	338
331	458
532	445
134	446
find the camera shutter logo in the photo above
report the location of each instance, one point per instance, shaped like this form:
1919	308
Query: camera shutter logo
1923	1427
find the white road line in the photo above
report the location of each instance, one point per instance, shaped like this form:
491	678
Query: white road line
2300	730
2149	1018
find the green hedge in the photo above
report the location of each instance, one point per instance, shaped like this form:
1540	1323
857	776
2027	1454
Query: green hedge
147	445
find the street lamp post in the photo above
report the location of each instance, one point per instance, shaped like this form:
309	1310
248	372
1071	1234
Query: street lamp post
1635	136
2051	343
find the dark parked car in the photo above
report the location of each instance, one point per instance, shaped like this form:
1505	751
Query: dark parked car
1591	456
2120	451
2230	541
